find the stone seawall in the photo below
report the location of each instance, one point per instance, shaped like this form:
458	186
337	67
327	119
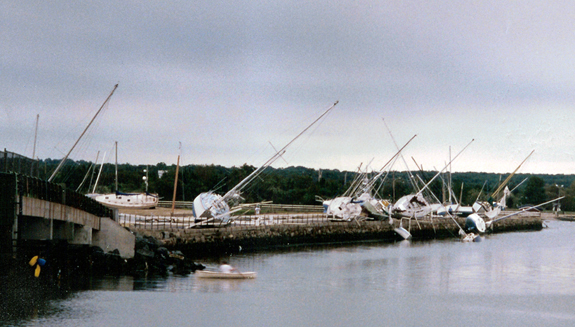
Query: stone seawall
197	243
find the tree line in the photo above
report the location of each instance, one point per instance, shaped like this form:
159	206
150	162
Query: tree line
301	185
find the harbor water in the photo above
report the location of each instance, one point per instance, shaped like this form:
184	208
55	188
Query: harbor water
507	279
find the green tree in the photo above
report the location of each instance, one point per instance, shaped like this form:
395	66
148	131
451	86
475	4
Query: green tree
534	192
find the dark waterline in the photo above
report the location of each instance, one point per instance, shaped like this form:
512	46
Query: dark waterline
511	279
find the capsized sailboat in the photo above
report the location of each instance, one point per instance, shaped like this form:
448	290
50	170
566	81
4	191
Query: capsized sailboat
415	205
359	198
477	224
210	208
490	209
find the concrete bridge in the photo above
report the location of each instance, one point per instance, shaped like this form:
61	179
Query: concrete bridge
34	211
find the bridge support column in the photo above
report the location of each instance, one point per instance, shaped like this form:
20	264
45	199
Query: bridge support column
8	214
112	236
82	235
32	228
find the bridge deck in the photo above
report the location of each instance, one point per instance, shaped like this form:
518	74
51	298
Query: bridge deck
50	210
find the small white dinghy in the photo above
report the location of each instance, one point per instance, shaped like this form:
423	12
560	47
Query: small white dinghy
223	275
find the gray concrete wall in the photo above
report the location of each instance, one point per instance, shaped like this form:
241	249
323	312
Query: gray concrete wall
113	236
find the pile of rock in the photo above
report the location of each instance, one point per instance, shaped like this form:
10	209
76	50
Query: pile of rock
151	258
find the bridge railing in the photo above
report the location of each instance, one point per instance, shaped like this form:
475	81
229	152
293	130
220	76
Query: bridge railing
269	214
265	207
40	189
13	162
181	222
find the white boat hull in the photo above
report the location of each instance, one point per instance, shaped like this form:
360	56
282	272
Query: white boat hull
403	233
411	206
474	223
210	205
129	200
342	207
222	275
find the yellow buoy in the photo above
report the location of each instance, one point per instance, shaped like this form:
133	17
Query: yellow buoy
37	271
33	261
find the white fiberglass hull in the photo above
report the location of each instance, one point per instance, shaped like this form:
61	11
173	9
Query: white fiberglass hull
474	223
412	206
210	205
404	233
343	207
129	200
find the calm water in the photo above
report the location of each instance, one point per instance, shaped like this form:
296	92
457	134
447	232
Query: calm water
512	279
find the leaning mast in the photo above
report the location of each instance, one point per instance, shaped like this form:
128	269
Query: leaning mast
84	132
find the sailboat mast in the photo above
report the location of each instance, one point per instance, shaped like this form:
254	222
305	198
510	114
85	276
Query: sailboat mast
509	178
278	154
87	173
99	173
35	136
147	169
175	185
84	132
93	170
450	180
116	165
411	178
34	148
175	180
441	171
374	179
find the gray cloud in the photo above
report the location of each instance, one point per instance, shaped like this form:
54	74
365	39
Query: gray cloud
224	78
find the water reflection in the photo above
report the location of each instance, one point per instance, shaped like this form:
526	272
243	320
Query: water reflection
502	264
219	285
118	283
170	283
519	276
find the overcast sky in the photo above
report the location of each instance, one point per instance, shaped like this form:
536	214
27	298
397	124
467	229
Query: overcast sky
229	79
